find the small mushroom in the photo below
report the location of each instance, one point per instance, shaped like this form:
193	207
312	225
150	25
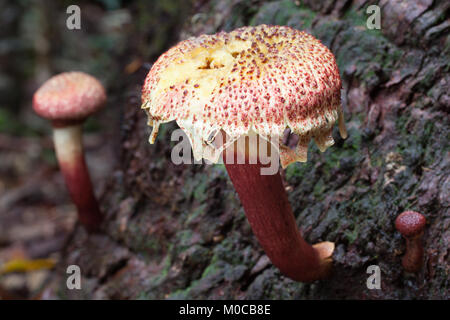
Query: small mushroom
411	225
67	100
254	81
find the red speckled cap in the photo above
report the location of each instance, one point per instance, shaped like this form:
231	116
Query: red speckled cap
264	78
410	223
69	96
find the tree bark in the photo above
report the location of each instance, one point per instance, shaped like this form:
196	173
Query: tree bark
178	231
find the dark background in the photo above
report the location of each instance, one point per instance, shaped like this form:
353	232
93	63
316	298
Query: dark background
179	231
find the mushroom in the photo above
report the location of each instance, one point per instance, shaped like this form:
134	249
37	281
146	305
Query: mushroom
67	100
254	81
411	225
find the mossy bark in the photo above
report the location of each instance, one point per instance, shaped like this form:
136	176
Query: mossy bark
178	231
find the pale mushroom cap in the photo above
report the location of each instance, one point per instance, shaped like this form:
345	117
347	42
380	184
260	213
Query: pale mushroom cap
264	79
69	96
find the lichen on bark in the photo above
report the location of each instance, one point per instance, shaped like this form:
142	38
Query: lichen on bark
180	232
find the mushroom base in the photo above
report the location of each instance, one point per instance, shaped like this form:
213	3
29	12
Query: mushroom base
69	151
270	215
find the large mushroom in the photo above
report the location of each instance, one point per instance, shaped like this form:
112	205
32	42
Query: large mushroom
254	81
67	100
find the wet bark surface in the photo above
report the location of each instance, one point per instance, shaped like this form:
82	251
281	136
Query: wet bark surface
179	231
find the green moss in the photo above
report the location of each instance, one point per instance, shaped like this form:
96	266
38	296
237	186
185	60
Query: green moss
351	236
152	244
401	121
200	210
294	171
428	79
349	152
200	189
184	238
357	18
195	186
226	251
424	146
326	30
138	238
302	19
220	170
180	294
159	278
318	190
372	55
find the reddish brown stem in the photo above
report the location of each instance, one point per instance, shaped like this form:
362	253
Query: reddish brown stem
270	215
69	150
413	258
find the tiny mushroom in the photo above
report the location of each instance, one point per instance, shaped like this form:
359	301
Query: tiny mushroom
411	225
67	100
254	81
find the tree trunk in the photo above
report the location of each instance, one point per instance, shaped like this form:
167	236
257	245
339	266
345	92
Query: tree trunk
179	231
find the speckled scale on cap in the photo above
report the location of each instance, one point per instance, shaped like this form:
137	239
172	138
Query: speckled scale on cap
69	96
264	78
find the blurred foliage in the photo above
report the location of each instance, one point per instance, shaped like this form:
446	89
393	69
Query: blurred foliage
36	44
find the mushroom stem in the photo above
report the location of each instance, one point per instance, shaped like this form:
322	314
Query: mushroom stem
69	151
413	258
270	215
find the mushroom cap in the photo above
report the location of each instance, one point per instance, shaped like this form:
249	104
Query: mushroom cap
410	223
69	96
263	78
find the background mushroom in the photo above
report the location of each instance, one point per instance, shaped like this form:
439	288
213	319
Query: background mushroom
411	225
254	80
67	100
